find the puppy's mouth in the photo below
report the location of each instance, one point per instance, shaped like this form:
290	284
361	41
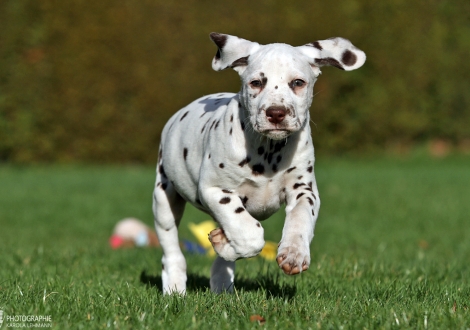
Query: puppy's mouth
276	133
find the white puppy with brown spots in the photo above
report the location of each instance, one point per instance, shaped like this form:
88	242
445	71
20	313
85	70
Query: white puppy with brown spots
239	157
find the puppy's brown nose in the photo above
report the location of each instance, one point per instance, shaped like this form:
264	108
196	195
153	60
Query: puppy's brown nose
276	114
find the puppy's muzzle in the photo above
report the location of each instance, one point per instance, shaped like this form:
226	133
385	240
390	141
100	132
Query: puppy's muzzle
276	114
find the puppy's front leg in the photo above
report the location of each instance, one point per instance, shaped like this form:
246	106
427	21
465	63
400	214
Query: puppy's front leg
240	235
303	205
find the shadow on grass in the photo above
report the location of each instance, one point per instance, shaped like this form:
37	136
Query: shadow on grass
268	283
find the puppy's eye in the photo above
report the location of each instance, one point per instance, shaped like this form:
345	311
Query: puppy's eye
256	83
297	83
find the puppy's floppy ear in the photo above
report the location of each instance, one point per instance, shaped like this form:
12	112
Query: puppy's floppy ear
232	52
337	52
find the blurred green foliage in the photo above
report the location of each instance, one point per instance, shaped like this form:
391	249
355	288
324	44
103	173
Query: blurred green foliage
97	80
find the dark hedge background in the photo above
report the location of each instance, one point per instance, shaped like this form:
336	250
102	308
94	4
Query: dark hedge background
96	80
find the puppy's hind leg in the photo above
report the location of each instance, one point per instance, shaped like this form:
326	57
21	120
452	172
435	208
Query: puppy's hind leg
168	207
222	275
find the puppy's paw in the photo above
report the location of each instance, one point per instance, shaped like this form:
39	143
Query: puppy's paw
218	240
293	259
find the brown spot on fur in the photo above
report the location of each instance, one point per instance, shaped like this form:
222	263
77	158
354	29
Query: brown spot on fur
242	61
328	61
291	169
317	45
225	200
219	39
221	165
245	161
239	210
349	58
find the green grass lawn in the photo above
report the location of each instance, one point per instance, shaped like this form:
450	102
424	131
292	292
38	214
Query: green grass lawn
391	250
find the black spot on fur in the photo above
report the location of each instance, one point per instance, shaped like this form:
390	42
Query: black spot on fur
161	170
230	131
300	177
313	213
216	124
260	150
221	165
310	200
348	58
258	225
242	61
300	195
198	201
231	118
242	125
227	191
310	184
270	158
274	168
185	114
244	200
310	169
202	130
278	146
328	61
185	153
258	169
202	114
164	186
209	157
291	169
212	125
245	161
219	39
278	159
297	185
239	210
317	45
225	200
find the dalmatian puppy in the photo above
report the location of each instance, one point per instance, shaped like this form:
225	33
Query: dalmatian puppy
239	157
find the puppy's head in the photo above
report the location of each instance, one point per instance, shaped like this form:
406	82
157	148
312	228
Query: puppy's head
277	79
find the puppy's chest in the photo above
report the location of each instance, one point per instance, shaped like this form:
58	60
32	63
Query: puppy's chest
262	197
